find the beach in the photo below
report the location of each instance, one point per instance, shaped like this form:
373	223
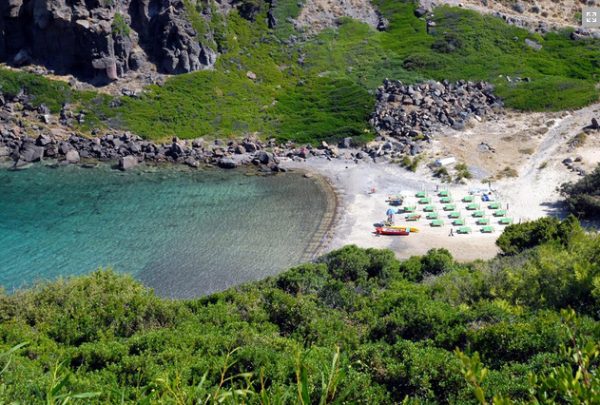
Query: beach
531	194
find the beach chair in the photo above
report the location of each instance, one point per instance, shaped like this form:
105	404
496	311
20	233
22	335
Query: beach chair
445	200
483	221
425	200
487	229
454	214
473	207
494	206
444	193
478	214
421	194
409	208
429	208
458	222
432	215
505	221
449	207
499	213
437	223
468	198
412	217
463	230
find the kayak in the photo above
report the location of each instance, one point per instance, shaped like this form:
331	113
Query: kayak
404	228
391	231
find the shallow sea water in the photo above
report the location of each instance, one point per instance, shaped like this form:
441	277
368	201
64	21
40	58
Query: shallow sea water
184	233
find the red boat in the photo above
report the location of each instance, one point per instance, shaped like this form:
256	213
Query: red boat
391	231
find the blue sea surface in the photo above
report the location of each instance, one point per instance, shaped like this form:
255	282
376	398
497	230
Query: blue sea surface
184	233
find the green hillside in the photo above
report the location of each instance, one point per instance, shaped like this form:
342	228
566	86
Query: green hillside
357	326
323	87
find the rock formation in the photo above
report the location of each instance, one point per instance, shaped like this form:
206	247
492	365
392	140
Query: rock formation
100	40
410	113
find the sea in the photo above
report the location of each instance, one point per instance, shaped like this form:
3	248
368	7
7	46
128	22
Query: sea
183	232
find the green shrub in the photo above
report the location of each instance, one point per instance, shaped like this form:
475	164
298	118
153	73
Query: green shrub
120	26
519	237
583	196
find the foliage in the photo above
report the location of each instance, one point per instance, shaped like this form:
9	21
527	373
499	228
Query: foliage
583	196
357	326
120	26
462	172
519	237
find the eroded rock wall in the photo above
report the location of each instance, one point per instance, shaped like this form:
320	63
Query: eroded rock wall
100	40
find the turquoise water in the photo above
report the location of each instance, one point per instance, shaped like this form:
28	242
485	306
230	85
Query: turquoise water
184	233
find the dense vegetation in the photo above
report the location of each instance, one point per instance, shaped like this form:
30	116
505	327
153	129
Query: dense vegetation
583	196
323	87
357	326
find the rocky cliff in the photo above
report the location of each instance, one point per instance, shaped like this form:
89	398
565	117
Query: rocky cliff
100	40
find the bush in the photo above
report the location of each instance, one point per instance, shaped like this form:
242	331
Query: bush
583	197
518	237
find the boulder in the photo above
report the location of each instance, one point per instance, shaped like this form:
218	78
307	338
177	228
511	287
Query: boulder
72	156
31	153
227	163
127	162
420	12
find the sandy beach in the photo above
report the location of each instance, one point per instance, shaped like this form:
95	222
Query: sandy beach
530	195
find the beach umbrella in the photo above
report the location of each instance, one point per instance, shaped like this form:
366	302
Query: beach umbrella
390	211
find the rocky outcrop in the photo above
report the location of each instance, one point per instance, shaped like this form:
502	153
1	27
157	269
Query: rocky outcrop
100	40
410	113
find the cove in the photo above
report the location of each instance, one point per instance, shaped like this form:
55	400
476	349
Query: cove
183	233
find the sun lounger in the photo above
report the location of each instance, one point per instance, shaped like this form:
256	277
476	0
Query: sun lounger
421	194
463	230
410	208
444	193
487	229
449	207
505	221
483	221
494	206
473	207
458	222
499	213
445	200
468	198
429	208
412	217
478	214
432	215
437	223
425	200
454	214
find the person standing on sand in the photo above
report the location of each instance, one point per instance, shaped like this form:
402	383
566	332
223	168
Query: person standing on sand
451	232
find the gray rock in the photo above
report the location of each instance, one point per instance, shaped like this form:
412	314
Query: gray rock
31	153
127	162
533	44
72	156
191	162
43	140
227	163
420	12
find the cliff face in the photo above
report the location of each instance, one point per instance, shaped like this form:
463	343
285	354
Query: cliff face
100	40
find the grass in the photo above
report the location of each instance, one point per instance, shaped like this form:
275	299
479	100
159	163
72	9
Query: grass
323	88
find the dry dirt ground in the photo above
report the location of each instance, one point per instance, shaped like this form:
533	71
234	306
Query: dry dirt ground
319	14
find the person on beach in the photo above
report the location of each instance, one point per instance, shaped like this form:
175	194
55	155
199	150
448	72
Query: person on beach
451	232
